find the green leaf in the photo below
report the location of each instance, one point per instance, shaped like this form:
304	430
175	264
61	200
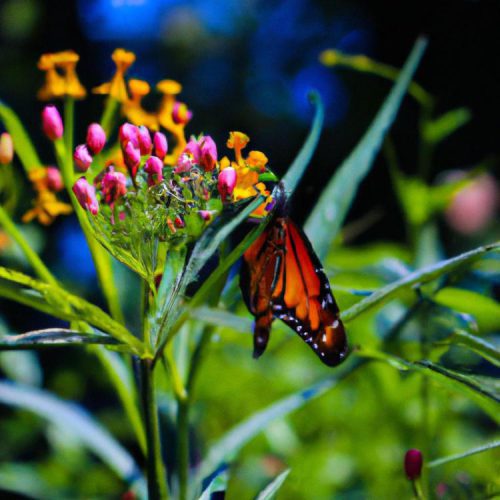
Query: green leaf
485	310
436	130
220	317
272	488
217	485
25	479
229	445
62	304
22	143
53	337
459	456
478	345
415	279
329	213
299	165
75	420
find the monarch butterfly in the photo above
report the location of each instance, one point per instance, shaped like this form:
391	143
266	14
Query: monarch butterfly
281	277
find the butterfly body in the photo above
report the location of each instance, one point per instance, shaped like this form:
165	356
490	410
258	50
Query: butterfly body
281	277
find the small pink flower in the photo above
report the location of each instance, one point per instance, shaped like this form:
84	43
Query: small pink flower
226	182
179	222
184	163
52	124
206	215
114	185
413	464
54	179
6	149
82	157
85	194
161	145
154	169
96	138
181	114
145	143
208	153
193	148
129	133
132	158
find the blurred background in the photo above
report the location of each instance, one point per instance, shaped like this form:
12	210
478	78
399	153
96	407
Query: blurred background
248	65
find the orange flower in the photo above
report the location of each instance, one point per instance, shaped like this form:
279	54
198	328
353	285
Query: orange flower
59	85
47	208
237	141
133	109
116	88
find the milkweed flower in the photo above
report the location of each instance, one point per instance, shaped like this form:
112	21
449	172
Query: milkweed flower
96	138
52	124
413	464
82	157
6	149
85	194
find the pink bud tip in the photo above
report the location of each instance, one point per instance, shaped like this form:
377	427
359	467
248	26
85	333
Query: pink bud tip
132	158
179	222
6	149
52	124
208	153
129	133
85	194
184	163
54	179
96	138
161	145
413	464
114	185
226	182
206	215
82	157
181	114
154	169
145	143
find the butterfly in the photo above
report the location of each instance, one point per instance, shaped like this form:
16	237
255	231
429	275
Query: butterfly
281	277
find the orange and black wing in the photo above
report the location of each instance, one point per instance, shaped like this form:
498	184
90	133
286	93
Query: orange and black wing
281	277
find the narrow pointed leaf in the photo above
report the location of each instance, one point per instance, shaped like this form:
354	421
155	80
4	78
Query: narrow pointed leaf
478	345
465	454
272	488
217	485
329	213
53	337
415	279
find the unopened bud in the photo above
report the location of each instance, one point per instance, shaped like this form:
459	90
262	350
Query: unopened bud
154	169
208	151
52	124
85	194
6	149
161	145
82	157
132	158
96	138
226	182
54	179
145	143
129	133
413	464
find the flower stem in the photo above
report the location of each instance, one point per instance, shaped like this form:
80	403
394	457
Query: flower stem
157	484
183	447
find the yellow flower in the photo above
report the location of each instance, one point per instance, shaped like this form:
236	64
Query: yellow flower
59	85
237	141
116	88
133	109
47	208
257	160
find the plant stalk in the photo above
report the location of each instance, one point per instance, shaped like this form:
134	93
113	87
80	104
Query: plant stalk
157	483
183	447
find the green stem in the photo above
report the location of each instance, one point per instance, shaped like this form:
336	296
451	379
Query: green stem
108	116
39	267
69	125
157	484
183	447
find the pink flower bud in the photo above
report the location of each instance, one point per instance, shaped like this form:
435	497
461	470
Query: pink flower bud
54	179
52	124
6	149
85	194
129	133
226	182
145	143
184	163
82	157
179	222
154	169
114	185
208	150
206	215
194	150
413	464
132	158
181	114
161	145
96	138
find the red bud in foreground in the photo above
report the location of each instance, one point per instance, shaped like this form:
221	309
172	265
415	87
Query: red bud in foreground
52	124
96	138
226	182
413	464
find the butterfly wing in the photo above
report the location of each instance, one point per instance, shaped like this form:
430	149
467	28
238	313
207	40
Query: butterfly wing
282	277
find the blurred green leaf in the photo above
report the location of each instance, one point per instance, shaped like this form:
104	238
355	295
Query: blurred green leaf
302	160
329	213
220	317
229	445
67	306
478	345
415	279
22	367
76	420
272	488
22	143
53	337
440	128
24	479
485	310
217	485
459	456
